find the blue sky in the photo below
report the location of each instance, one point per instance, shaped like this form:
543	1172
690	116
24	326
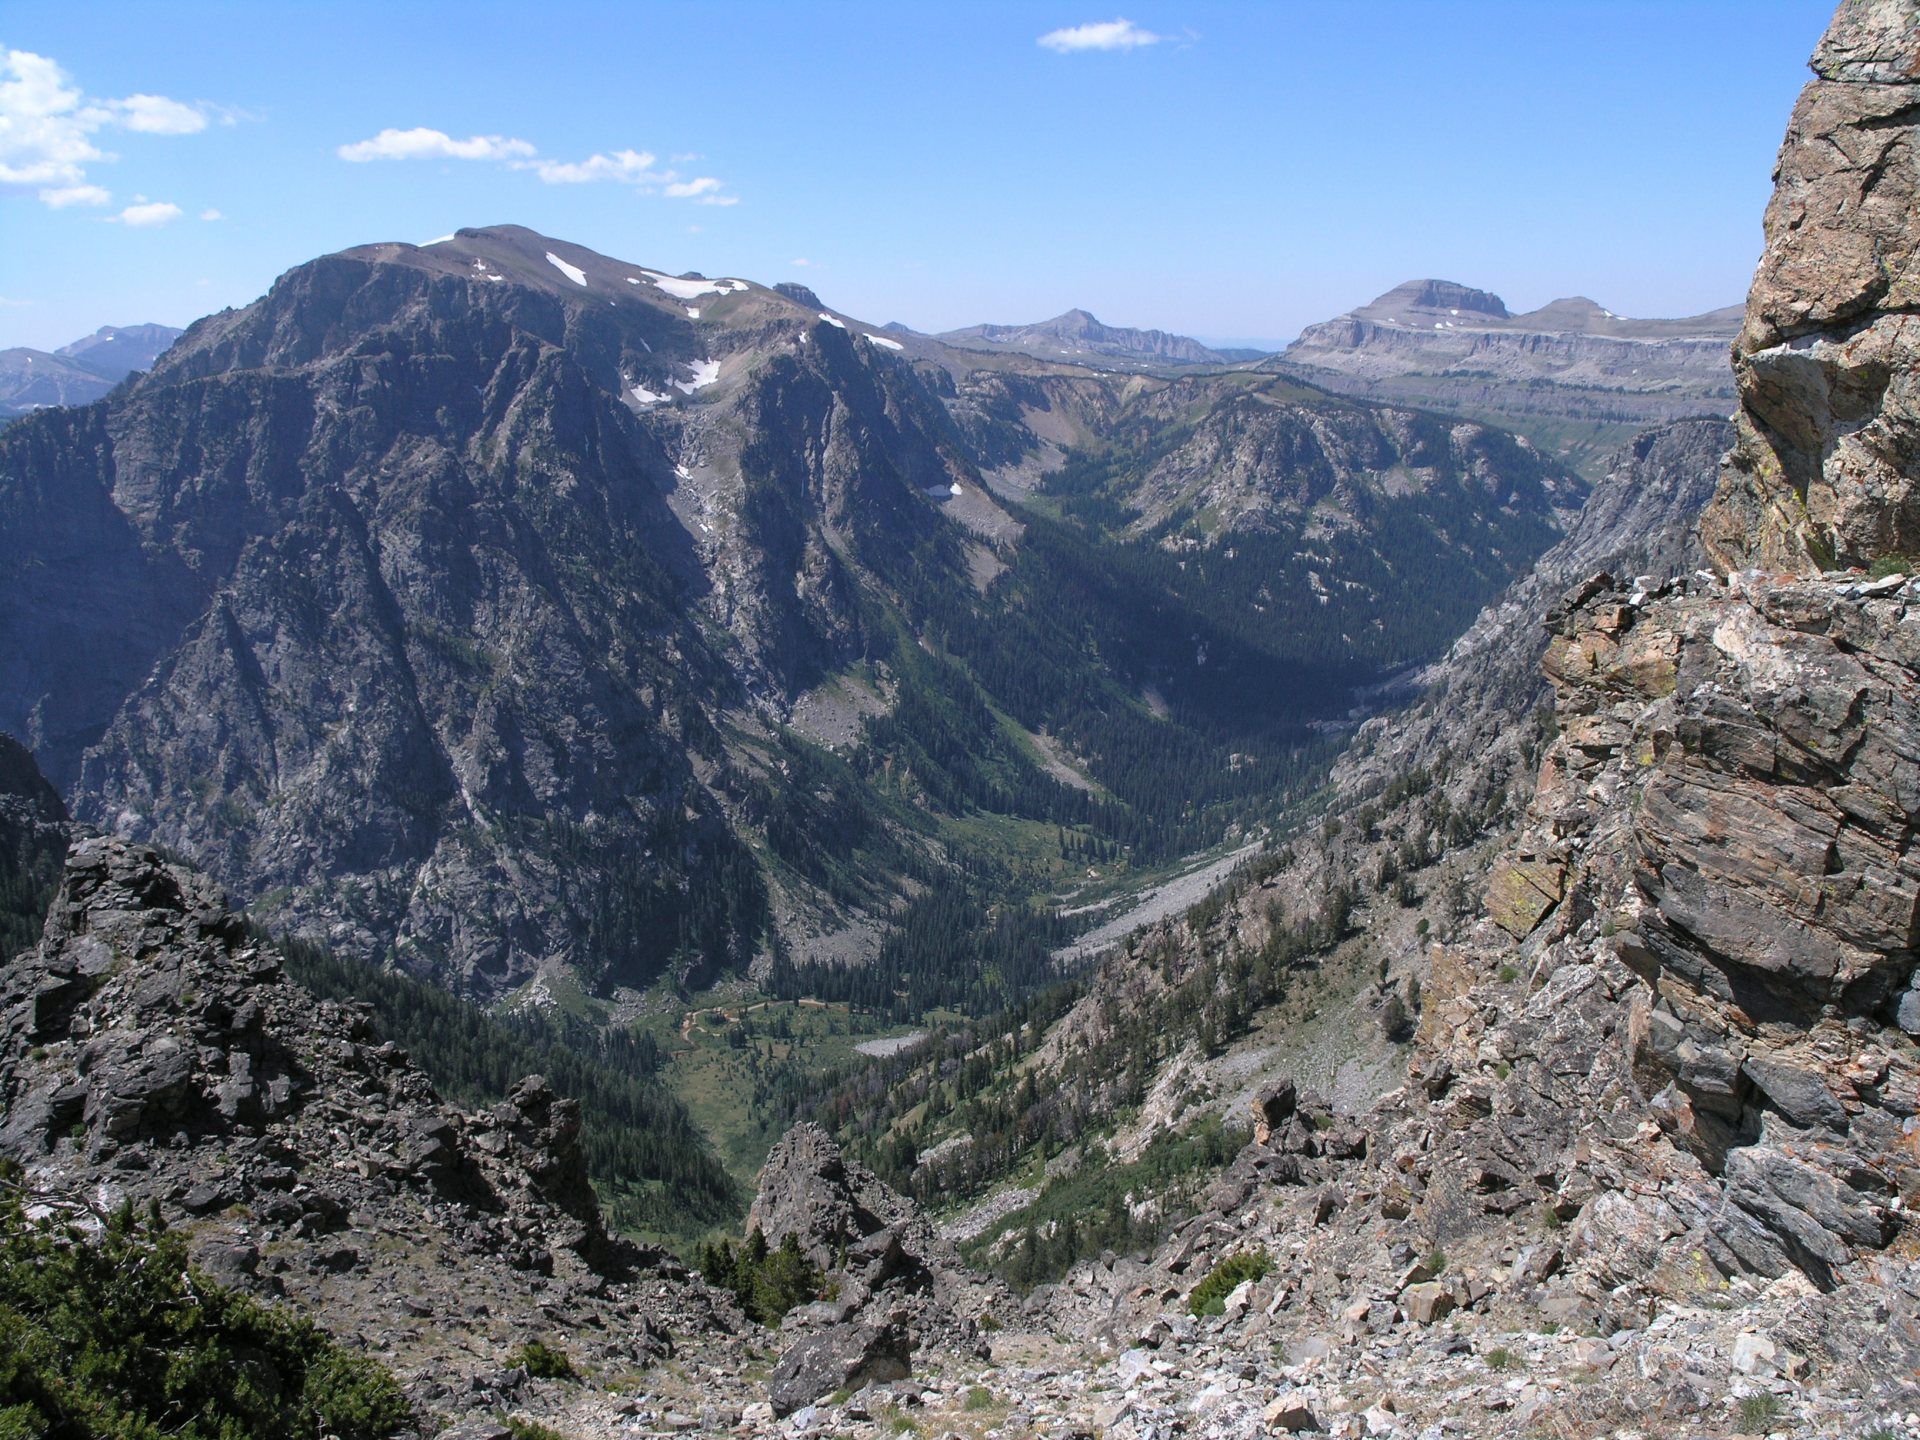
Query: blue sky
1224	170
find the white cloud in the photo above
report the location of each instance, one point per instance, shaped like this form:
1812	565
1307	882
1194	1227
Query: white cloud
421	143
800	262
211	215
624	167
157	115
48	125
1100	35
158	212
8	303
640	169
59	197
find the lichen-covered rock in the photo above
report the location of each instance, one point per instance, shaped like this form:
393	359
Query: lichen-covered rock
1826	470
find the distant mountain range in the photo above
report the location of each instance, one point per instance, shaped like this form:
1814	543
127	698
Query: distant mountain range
1078	337
1572	376
78	373
499	609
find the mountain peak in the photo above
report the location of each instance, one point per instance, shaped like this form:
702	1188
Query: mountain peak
1428	297
1077	335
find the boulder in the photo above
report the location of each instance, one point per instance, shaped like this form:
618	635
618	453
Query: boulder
843	1357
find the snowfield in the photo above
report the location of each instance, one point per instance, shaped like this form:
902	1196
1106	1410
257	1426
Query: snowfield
689	289
572	272
705	373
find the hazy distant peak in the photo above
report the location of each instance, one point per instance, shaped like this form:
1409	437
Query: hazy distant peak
1078	335
1423	298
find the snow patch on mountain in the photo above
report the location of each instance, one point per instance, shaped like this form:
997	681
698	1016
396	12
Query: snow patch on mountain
572	272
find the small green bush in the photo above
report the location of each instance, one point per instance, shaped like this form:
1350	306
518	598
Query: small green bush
115	1335
1209	1297
979	1398
1759	1411
523	1429
543	1361
1885	565
1500	1358
768	1282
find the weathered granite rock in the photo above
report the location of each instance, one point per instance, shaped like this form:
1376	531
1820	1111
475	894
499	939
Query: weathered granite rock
1828	363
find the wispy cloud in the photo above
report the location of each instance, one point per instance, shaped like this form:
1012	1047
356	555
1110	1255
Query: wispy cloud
157	115
623	167
704	191
60	197
421	143
639	169
211	215
802	261
1099	35
48	126
156	212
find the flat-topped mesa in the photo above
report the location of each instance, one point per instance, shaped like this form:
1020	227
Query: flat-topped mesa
1826	469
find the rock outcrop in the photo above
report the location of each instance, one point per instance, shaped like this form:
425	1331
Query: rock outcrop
896	1286
1828	362
151	1048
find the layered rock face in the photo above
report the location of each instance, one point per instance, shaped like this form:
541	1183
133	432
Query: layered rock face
1828	362
1731	802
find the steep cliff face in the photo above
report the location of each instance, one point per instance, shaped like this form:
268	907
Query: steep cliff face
33	843
1727	810
1823	473
373	596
